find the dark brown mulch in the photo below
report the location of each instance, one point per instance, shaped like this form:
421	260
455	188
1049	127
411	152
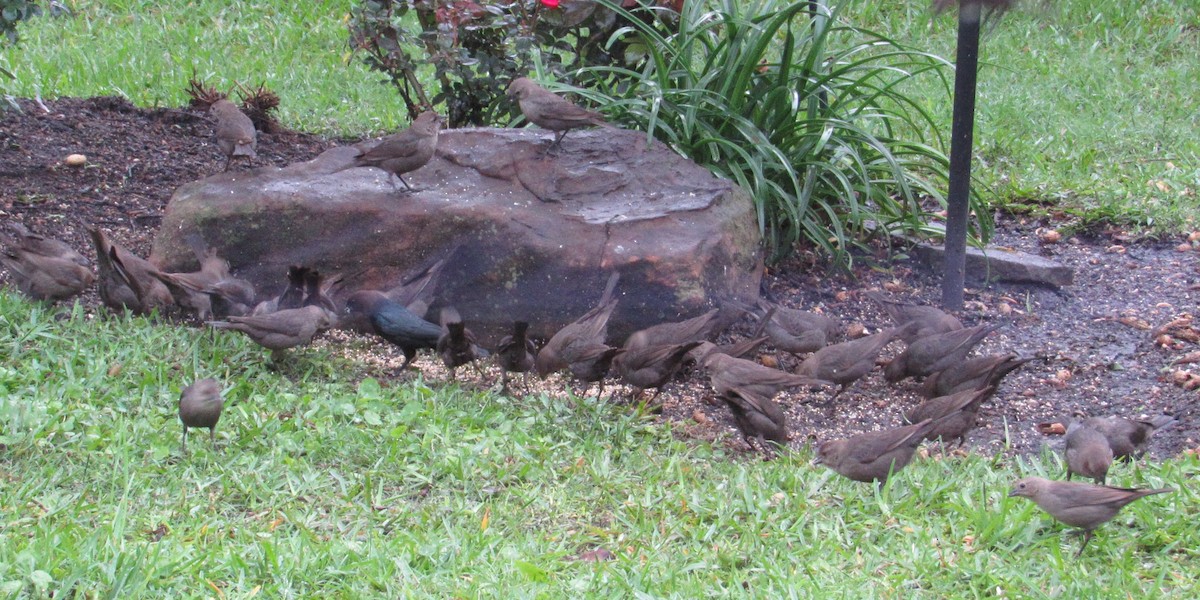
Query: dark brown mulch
1097	354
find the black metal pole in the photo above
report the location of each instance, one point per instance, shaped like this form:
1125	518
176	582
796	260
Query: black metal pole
962	135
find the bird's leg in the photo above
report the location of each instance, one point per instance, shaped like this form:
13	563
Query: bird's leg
401	178
183	446
504	381
212	437
1087	537
228	161
478	369
768	452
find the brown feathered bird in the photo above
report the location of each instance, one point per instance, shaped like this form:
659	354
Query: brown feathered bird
974	374
200	405
846	362
1088	453
1128	437
1079	504
235	131
759	418
873	456
736	349
44	268
953	416
196	291
548	111
797	331
936	352
456	346
728	373
915	321
647	367
281	329
591	363
405	151
586	332
516	354
695	329
127	281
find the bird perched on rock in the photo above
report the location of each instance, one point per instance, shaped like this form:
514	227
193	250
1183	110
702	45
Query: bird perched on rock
873	456
516	354
936	352
200	405
548	111
281	329
846	362
797	331
1079	504
127	281
586	332
695	329
915	321
1087	452
405	151
456	344
1128	437
953	416
758	417
728	373
235	131
394	323
974	374
44	268
646	367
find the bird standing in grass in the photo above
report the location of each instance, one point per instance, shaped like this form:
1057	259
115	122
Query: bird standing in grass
1083	505
873	456
281	329
44	268
200	405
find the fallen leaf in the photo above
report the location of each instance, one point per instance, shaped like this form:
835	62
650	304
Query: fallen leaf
1051	428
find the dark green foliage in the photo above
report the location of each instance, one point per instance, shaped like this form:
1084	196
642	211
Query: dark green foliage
477	48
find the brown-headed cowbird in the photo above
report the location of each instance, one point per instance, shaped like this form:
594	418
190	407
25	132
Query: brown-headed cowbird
548	111
846	362
646	367
516	354
200	405
394	323
797	331
456	344
195	291
975	374
235	131
728	373
953	416
1087	452
281	329
758	418
292	295
405	151
586	332
695	329
873	456
591	363
43	268
915	321
127	281
1128	437
736	349
1082	505
936	352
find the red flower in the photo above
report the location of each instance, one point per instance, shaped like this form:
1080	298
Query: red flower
550	3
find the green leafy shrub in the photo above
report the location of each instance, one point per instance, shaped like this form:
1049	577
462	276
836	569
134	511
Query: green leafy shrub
475	49
13	11
806	112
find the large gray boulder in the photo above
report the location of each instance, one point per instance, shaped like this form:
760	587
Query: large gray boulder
526	235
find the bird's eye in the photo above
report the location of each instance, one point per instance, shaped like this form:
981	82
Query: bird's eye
1022	486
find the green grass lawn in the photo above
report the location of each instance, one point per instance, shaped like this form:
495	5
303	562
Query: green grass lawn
326	483
1088	105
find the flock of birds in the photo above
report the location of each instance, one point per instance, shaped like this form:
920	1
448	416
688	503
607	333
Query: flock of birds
937	345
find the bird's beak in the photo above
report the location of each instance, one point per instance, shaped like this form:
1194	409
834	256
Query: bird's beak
1013	494
817	461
